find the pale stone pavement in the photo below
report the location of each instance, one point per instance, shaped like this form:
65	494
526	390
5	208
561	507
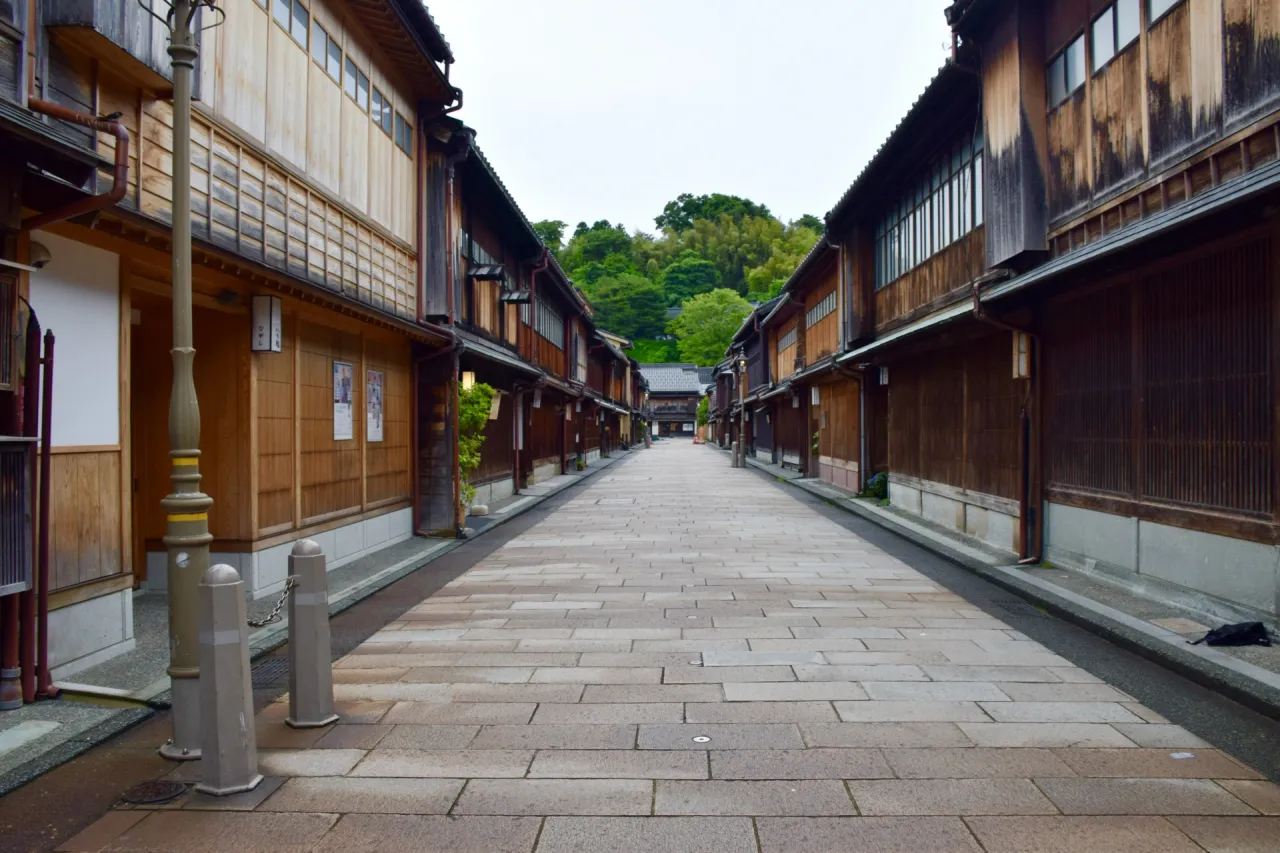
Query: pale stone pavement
684	657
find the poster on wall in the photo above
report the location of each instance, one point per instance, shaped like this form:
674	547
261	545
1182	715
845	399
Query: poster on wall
343	429
373	405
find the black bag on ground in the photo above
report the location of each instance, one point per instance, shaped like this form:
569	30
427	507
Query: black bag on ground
1240	634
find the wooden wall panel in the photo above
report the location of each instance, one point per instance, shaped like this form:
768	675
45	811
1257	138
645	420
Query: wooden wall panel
286	82
84	517
387	462
1068	140
354	132
242	67
381	168
546	426
1117	97
929	283
324	113
1252	69
838	421
1169	84
276	433
330	469
495	453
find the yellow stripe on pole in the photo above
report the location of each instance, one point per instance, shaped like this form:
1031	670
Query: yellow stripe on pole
184	461
189	516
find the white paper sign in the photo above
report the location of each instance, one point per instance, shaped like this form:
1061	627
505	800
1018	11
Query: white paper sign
268	324
343	428
373	405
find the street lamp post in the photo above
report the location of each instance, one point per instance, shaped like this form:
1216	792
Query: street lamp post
741	411
186	508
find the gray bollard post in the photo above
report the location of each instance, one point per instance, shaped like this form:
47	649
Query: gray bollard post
310	668
228	745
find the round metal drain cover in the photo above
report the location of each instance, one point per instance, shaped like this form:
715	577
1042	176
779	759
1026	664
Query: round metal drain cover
151	793
702	739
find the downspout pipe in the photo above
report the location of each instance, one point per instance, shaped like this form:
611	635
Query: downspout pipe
120	175
1029	554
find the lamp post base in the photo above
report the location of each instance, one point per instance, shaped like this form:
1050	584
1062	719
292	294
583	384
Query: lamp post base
185	743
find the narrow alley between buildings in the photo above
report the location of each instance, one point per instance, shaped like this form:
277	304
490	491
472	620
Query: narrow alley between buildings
682	656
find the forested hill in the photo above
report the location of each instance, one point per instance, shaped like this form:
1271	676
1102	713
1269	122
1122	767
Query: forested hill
712	255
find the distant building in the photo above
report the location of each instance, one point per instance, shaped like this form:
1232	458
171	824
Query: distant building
674	391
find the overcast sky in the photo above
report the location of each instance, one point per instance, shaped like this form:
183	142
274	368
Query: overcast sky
603	109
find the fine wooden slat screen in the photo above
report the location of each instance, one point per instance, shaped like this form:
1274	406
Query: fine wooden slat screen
954	417
387	461
1196	339
330	468
993	407
1208	404
1088	419
544	433
495	453
790	430
839	434
276	434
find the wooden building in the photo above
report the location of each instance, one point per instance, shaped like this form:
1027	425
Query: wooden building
674	391
332	192
1056	282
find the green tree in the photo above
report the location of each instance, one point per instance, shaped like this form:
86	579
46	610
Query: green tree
473	417
680	214
654	351
785	254
595	243
734	246
629	305
704	406
688	276
811	222
707	324
551	233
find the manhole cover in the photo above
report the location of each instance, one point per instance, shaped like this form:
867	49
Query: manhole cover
271	672
150	793
1018	608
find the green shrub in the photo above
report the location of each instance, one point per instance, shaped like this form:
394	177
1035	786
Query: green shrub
473	416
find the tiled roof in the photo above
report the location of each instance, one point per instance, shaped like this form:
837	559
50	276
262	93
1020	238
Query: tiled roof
672	378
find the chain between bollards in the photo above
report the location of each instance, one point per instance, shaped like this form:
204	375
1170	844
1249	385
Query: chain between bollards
274	615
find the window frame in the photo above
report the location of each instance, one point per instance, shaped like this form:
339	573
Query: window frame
821	310
1154	18
1081	37
1117	47
384	119
941	206
288	26
327	46
404	133
357	77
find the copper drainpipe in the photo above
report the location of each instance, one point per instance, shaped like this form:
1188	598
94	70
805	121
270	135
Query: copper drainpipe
94	203
44	680
27	599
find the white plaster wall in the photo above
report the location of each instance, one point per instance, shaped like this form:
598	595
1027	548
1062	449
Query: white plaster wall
591	456
1072	533
904	497
542	473
1235	569
85	634
264	572
940	510
489	493
77	296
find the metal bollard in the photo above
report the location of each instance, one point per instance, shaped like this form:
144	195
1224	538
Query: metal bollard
228	745
310	669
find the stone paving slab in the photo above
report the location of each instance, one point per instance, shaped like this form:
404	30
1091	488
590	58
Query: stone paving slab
684	658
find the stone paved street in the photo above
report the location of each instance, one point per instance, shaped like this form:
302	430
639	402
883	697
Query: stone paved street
684	657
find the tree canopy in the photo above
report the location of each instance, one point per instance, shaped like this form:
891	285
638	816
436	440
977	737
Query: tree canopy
706	326
706	243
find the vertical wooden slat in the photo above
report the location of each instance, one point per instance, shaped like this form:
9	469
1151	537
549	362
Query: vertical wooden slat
126	445
297	420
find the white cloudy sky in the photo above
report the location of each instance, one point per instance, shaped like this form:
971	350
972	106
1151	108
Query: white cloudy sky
602	109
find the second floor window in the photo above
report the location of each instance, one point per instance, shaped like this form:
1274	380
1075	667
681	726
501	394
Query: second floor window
548	323
293	16
822	309
356	85
383	114
326	51
1157	8
404	134
944	205
1113	31
788	338
1066	72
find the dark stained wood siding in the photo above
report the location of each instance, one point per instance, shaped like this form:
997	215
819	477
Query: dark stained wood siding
928	284
546	426
1252	47
495	453
1116	94
1161	390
